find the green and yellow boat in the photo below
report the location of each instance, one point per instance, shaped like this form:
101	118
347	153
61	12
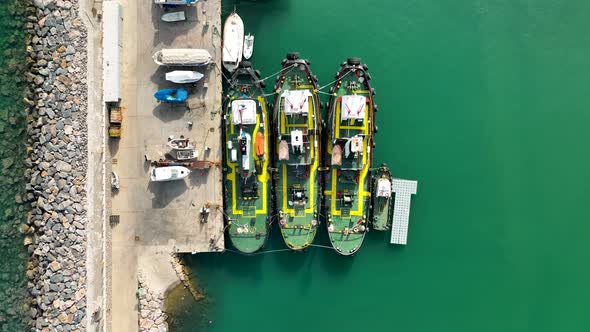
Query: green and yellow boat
348	157
297	157
381	199
246	160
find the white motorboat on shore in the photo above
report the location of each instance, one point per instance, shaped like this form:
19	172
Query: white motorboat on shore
248	46
169	173
176	2
174	17
183	76
180	144
182	57
233	42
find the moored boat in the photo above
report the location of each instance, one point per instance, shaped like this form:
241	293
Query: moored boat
248	46
381	199
297	132
233	41
348	157
246	161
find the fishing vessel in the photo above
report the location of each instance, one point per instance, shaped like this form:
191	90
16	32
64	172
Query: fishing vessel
297	132
233	41
348	157
246	160
248	46
381	199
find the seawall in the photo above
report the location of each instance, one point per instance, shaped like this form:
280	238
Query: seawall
56	165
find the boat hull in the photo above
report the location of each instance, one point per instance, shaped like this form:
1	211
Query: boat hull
248	46
381	204
233	42
247	181
297	155
349	158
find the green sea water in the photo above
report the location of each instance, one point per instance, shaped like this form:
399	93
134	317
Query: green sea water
486	104
12	154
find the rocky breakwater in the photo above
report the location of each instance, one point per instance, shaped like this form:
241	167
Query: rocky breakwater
55	233
151	305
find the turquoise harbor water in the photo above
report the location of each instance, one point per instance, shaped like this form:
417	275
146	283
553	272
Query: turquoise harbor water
487	105
12	151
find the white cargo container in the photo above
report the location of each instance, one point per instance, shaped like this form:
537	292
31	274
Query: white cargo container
112	45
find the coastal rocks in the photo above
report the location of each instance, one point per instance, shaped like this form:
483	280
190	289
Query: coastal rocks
151	305
56	166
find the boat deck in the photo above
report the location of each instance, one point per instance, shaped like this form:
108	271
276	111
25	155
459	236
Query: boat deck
247	214
298	195
348	185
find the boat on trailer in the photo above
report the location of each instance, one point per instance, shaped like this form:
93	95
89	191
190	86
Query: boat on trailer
349	157
246	133
381	199
233	41
297	158
183	76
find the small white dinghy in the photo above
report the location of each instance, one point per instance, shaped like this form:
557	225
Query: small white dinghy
183	76
169	173
248	46
233	41
174	17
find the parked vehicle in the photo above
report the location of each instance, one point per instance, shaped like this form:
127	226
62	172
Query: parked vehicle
169	173
172	95
115	120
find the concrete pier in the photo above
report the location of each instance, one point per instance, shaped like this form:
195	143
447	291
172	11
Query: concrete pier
155	219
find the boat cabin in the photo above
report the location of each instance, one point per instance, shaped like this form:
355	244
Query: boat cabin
350	128
295	124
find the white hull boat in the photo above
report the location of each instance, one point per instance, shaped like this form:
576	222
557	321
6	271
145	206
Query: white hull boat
174	17
180	144
186	154
248	46
183	76
233	42
169	173
182	57
176	2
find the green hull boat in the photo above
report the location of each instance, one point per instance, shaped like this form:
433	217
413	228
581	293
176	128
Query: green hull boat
381	204
348	157
247	183
297	132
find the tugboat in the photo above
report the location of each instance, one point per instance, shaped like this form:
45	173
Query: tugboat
348	157
247	159
381	199
297	132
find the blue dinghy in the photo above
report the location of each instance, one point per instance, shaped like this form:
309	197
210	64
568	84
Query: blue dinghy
171	95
